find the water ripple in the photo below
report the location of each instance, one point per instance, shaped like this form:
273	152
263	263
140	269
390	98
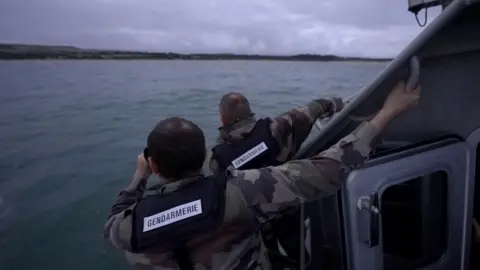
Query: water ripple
71	131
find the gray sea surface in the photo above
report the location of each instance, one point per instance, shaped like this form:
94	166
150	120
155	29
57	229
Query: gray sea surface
70	132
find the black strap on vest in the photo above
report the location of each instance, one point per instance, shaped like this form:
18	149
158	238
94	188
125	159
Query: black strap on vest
284	231
227	152
180	255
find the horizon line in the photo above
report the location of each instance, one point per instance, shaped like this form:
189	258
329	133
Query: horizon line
192	53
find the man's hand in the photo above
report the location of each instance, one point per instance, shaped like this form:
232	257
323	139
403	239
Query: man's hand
141	174
337	104
143	169
397	102
331	106
401	99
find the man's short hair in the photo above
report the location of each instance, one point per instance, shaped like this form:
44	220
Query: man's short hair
234	106
177	147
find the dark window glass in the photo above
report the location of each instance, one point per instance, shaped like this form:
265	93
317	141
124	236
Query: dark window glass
414	222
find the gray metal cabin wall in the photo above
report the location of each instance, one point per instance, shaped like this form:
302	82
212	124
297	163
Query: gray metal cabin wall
454	108
449	49
450	106
450	77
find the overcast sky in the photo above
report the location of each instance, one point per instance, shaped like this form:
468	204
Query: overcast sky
375	28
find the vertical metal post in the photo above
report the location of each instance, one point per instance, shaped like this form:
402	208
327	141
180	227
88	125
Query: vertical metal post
302	236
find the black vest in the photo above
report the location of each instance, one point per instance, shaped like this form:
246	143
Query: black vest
257	149
168	221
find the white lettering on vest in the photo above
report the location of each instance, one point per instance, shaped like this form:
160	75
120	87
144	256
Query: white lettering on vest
249	155
172	215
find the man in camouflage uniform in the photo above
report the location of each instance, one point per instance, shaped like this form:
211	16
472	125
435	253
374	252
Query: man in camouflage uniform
289	129
282	137
236	244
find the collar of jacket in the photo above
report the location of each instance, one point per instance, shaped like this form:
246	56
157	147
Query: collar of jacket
235	130
168	187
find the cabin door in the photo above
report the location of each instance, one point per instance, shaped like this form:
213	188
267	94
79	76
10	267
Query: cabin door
411	209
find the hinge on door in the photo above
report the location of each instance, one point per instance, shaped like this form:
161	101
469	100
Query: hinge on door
370	205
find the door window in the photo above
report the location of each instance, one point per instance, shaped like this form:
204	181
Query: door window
414	221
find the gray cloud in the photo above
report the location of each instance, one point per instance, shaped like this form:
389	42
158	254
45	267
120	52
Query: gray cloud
375	28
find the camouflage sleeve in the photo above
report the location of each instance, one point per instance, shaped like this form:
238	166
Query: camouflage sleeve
293	127
300	180
117	229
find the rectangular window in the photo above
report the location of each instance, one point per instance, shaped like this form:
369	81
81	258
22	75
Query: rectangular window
414	222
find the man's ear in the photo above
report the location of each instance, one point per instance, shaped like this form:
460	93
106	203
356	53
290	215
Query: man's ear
152	165
222	120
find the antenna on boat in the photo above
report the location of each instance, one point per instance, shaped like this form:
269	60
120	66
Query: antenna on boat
415	6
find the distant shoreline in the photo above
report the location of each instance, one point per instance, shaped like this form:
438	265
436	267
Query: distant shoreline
42	52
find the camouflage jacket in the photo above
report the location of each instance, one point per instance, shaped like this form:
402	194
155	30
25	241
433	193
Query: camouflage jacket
237	243
289	129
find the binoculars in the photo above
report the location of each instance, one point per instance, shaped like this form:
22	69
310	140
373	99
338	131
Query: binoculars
145	154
